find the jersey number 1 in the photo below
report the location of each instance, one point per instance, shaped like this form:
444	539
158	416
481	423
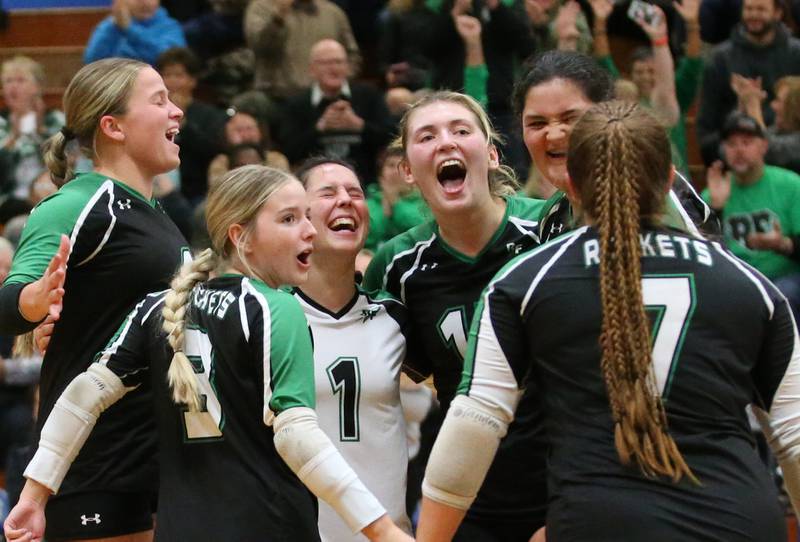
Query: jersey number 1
345	379
206	424
672	298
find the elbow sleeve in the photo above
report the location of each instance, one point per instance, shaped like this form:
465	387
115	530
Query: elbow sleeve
70	423
319	465
463	452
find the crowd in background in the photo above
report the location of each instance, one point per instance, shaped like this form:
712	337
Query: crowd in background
275	82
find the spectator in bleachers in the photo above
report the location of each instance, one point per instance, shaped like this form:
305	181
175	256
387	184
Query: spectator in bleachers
559	25
243	127
719	17
395	204
403	49
783	135
648	64
201	125
758	205
138	29
282	33
216	31
759	47
334	116
24	125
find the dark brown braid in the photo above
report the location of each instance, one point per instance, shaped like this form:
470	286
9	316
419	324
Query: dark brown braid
619	162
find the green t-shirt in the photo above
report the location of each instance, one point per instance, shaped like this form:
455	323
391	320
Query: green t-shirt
407	212
755	208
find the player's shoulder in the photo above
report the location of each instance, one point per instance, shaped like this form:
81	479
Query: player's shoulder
272	299
392	253
524	208
541	259
74	195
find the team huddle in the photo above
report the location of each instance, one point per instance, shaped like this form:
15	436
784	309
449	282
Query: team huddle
596	353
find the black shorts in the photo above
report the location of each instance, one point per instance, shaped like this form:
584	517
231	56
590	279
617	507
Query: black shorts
495	530
98	514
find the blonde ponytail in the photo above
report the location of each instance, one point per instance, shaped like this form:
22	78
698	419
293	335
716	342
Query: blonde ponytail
55	158
181	375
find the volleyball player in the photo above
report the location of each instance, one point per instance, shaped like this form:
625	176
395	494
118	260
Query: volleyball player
649	343
550	96
106	240
359	346
439	269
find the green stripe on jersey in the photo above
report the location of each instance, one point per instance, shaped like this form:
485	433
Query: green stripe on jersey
291	358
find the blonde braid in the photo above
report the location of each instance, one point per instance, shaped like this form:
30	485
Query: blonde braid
181	374
615	192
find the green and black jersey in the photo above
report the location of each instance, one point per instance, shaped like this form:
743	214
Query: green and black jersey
722	338
123	246
440	287
684	209
221	477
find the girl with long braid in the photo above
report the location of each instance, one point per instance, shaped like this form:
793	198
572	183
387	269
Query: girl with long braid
226	358
626	326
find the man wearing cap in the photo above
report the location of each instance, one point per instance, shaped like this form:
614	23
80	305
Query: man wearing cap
758	205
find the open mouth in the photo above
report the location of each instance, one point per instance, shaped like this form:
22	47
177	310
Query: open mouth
344	223
172	134
304	257
451	175
556	155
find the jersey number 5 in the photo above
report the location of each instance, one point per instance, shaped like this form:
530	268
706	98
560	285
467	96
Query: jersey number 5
345	378
672	299
206	424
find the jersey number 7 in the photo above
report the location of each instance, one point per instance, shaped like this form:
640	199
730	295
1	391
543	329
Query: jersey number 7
672	299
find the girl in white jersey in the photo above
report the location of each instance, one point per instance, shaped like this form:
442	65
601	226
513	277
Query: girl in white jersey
359	346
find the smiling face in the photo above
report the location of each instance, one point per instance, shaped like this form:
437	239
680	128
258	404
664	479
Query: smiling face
449	157
280	246
150	124
744	153
338	209
551	110
759	17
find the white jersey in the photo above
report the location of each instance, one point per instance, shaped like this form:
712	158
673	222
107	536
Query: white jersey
358	354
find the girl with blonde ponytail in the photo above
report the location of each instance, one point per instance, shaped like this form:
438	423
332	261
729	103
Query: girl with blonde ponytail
229	358
626	329
87	255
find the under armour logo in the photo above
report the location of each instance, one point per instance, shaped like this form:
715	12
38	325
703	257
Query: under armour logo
85	520
426	266
369	314
556	228
124	204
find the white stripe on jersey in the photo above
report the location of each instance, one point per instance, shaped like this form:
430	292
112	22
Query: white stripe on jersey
785	411
526	227
243	317
107	186
248	288
748	271
421	246
400	255
546	267
706	208
158	303
687	221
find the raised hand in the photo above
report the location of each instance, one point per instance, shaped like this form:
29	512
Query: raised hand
469	28
602	9
719	185
689	10
655	29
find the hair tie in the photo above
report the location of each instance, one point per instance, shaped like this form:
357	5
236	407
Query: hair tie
67	133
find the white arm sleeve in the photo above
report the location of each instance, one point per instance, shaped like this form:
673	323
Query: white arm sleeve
782	426
463	452
70	423
319	465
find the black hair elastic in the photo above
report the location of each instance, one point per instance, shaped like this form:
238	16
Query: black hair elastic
67	133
